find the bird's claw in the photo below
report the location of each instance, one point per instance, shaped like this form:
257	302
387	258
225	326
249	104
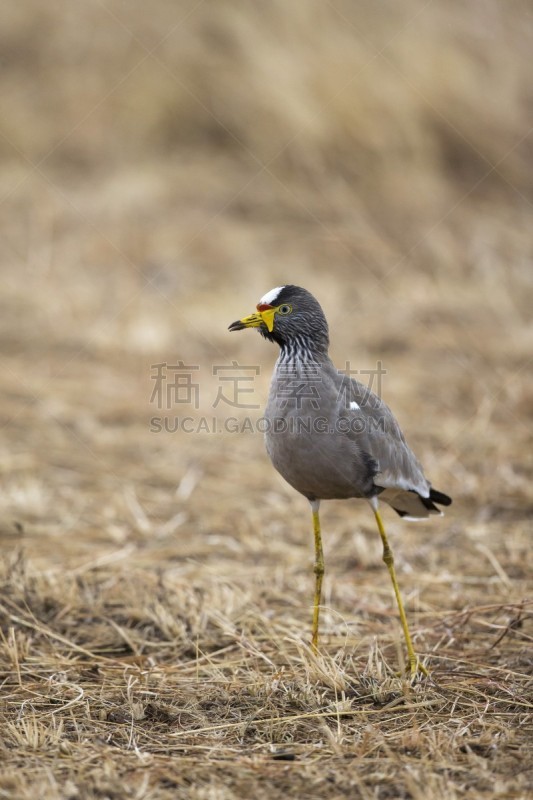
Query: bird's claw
416	669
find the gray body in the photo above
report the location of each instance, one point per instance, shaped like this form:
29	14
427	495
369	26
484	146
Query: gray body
327	450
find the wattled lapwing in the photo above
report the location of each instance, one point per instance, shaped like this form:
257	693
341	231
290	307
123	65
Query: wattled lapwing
329	436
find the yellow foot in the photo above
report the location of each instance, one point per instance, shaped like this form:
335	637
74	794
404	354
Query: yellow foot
416	668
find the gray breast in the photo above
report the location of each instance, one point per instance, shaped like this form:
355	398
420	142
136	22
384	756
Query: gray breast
309	438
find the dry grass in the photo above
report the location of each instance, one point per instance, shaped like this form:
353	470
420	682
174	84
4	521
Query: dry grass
162	169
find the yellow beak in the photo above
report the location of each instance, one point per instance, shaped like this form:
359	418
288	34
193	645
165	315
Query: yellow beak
255	320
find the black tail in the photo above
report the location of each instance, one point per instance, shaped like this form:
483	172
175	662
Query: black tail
439	497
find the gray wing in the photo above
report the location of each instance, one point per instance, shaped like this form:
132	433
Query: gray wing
381	437
398	475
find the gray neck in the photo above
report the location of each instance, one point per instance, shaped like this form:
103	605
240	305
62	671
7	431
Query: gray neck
303	350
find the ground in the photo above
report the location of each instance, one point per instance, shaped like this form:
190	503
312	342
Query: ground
162	170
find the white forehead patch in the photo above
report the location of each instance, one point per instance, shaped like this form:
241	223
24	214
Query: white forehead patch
355	406
269	298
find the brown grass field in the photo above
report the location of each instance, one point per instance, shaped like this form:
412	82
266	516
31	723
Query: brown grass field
163	166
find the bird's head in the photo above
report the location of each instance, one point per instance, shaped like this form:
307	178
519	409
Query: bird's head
289	315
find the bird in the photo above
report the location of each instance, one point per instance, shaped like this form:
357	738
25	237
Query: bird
331	437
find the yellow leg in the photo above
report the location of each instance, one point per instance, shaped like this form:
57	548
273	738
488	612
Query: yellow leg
414	663
319	571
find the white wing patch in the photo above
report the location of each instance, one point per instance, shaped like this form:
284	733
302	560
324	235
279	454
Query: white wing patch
269	297
355	406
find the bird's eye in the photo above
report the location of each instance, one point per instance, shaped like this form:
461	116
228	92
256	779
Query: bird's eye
285	309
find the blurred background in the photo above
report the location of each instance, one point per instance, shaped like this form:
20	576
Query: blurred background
164	166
